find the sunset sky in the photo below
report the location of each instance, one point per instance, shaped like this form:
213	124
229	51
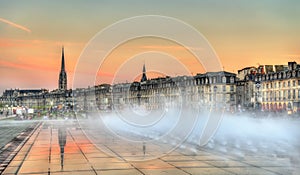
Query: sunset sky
243	33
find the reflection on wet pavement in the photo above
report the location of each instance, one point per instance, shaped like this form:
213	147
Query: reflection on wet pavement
62	138
58	147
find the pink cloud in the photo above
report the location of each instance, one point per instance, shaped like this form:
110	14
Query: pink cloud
13	65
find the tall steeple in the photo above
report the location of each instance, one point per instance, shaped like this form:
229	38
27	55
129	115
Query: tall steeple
62	82
144	77
63	59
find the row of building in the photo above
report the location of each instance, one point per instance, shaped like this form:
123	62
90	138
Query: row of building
264	88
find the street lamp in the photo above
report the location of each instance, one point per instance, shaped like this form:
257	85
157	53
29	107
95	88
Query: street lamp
51	106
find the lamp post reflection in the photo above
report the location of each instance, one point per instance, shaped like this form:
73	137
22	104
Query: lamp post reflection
62	137
215	94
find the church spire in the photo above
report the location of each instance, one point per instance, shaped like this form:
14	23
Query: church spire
62	81
144	77
62	59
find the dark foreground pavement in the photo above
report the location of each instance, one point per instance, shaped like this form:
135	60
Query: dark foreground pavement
42	155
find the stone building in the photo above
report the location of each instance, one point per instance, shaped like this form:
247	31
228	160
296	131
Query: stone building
273	88
276	90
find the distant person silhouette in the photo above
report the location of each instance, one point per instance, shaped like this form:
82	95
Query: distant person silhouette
144	148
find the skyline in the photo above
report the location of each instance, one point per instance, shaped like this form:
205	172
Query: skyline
242	34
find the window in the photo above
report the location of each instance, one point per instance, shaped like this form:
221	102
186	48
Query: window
279	84
280	95
214	79
224	88
294	93
283	84
231	88
289	83
298	93
224	79
294	83
298	82
231	80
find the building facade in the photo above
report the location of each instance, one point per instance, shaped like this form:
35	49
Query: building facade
274	90
263	88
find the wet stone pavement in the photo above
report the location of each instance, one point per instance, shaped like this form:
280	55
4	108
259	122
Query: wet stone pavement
57	147
13	135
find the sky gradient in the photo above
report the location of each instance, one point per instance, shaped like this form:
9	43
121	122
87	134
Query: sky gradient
243	33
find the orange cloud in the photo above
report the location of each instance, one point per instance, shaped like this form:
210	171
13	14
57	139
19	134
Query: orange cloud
13	65
15	25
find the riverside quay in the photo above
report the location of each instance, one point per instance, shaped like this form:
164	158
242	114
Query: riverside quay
266	88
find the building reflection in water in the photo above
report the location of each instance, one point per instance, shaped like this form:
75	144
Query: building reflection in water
62	137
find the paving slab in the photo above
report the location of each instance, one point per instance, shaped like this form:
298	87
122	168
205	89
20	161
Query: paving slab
207	171
120	172
47	152
165	171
